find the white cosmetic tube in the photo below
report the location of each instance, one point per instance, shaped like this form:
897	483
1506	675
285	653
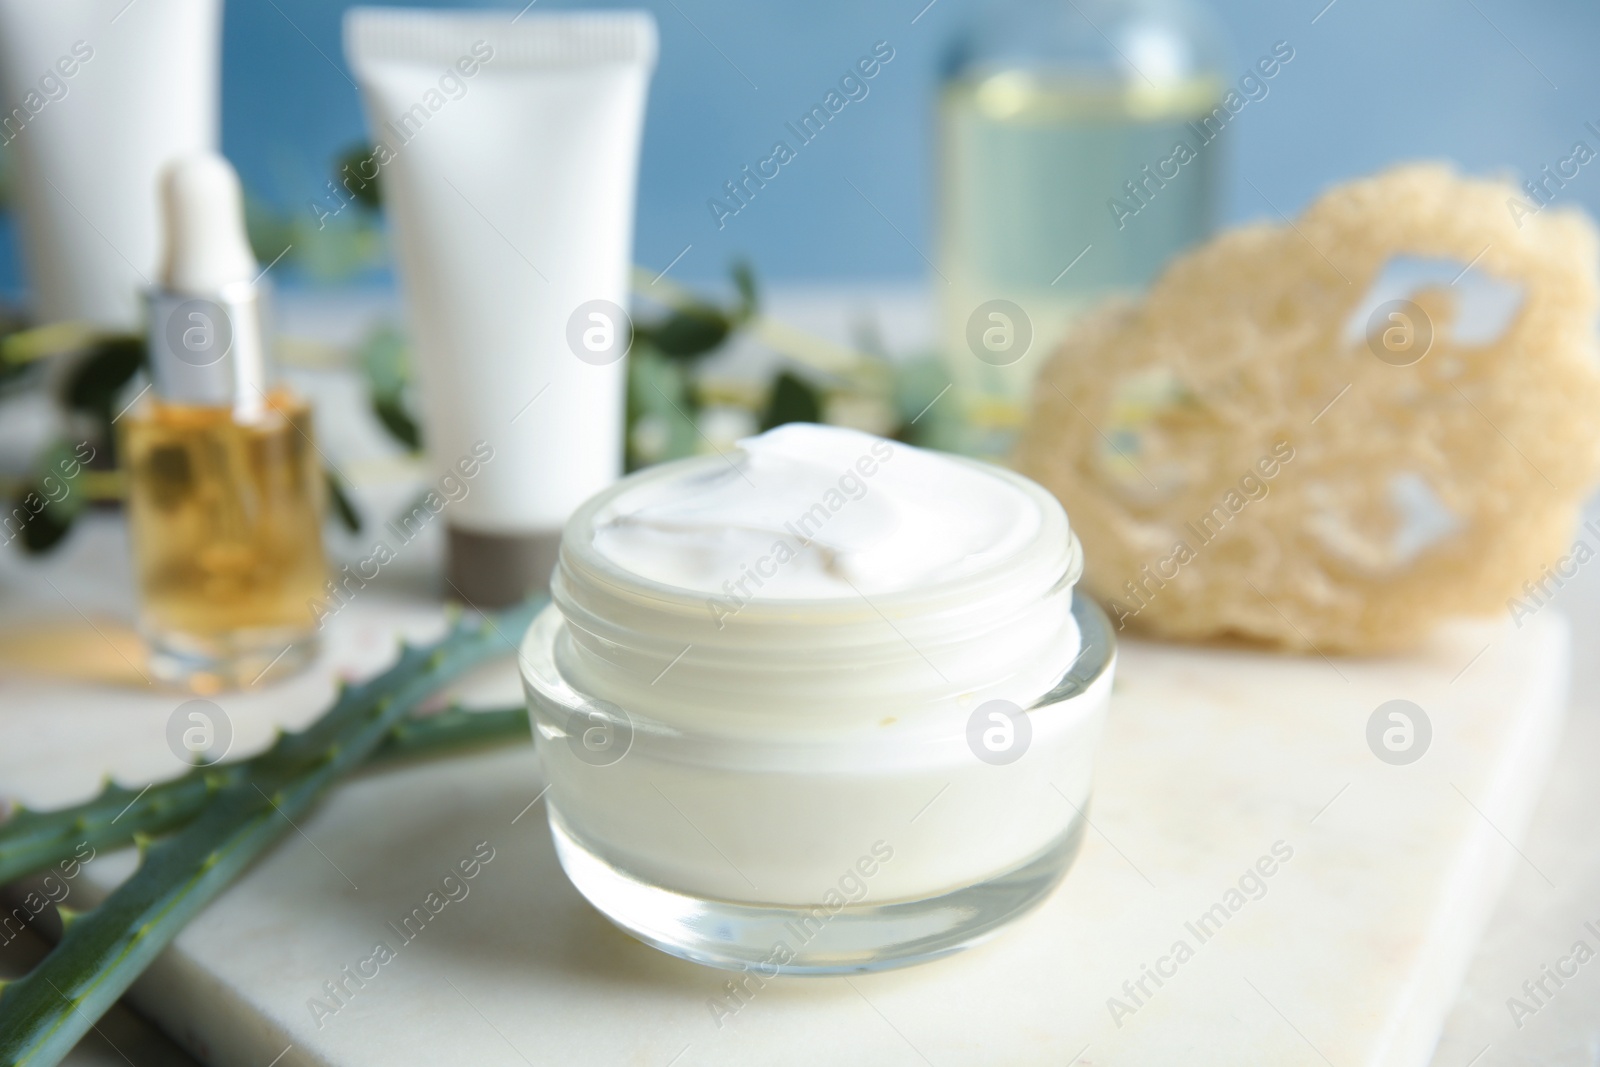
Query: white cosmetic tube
508	150
99	96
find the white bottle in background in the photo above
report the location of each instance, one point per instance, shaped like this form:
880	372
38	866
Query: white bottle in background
98	95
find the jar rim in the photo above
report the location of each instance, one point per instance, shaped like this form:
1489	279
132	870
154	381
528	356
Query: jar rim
543	680
579	556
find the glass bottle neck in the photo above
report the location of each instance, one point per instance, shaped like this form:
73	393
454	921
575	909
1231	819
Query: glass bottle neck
209	350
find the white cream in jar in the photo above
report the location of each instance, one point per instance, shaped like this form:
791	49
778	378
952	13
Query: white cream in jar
764	670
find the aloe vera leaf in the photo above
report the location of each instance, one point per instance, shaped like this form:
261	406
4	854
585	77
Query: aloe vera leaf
101	952
30	841
450	730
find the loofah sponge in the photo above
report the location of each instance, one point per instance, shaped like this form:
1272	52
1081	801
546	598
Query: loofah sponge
1267	448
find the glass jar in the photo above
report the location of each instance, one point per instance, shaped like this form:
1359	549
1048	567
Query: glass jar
1060	182
817	786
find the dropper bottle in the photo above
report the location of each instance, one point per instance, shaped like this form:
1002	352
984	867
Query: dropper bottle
225	487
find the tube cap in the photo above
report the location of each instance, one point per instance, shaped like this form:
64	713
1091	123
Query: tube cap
488	570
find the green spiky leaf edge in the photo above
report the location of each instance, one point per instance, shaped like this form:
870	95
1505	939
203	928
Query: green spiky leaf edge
44	1013
31	841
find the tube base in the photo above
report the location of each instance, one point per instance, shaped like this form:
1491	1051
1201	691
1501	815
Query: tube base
489	571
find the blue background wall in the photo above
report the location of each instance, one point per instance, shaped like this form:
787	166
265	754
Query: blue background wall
1492	84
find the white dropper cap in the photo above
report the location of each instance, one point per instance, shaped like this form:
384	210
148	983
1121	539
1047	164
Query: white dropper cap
206	247
206	339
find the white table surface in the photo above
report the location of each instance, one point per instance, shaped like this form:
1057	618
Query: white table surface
1300	943
1210	758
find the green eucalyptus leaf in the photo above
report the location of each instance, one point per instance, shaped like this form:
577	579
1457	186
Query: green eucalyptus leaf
96	381
45	529
661	410
385	363
396	418
349	173
689	332
48	503
94	384
343	506
793	400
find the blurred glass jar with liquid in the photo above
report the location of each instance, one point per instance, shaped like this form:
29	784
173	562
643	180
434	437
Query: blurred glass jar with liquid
1075	158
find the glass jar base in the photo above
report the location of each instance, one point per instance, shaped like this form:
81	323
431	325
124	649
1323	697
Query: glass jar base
236	661
779	939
